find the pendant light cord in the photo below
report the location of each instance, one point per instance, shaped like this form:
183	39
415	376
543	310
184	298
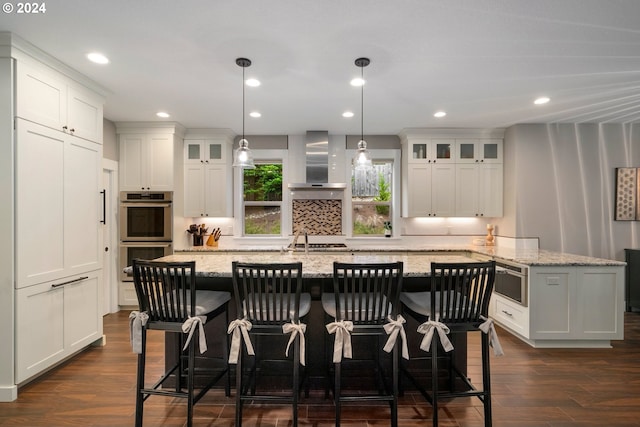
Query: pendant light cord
243	102
362	104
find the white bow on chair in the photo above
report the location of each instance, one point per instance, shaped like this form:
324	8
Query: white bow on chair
489	328
393	328
428	328
342	345
295	329
136	321
240	329
189	327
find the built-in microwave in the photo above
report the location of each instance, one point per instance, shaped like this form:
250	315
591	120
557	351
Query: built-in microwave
141	250
512	282
146	217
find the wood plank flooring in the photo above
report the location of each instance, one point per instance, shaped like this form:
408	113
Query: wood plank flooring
531	388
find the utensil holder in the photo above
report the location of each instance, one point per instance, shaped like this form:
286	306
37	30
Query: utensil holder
197	240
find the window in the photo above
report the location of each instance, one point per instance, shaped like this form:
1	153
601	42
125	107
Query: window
371	202
262	199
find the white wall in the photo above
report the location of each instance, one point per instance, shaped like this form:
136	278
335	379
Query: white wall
560	186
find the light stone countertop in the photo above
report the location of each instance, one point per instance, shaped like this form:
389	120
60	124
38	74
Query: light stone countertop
530	257
314	265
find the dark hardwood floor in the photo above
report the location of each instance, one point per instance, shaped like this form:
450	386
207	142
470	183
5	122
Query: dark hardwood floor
531	388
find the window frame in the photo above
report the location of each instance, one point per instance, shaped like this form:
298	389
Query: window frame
387	155
262	157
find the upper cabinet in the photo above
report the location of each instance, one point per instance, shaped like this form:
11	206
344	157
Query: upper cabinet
452	173
147	156
427	150
474	150
207	175
47	97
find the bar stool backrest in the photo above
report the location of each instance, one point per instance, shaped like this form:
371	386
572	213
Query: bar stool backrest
166	291
267	293
367	293
460	292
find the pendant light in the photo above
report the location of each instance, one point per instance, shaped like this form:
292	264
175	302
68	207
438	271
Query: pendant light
243	158
362	158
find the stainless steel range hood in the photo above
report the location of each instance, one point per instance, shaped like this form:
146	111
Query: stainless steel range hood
317	163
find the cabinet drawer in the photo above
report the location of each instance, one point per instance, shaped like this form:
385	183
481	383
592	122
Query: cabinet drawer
511	315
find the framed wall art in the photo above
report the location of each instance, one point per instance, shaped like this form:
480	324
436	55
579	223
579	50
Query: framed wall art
627	198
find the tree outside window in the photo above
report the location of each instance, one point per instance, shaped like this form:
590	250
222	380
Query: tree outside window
262	197
371	199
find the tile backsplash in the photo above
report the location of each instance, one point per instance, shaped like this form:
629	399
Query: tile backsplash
320	217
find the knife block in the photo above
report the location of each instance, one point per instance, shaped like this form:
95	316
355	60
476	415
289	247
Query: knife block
212	242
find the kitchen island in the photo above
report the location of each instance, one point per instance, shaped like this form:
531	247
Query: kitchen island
569	300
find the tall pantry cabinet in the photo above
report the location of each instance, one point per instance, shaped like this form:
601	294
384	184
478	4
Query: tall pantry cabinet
57	261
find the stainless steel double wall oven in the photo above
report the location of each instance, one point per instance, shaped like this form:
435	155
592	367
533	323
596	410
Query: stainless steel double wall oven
146	226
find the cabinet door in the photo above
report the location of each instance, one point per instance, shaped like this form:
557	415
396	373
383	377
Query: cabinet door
82	206
491	150
82	319
194	151
216	190
41	95
39	329
84	115
490	190
40	199
419	194
600	302
159	162
132	153
443	184
467	176
442	150
551	290
194	190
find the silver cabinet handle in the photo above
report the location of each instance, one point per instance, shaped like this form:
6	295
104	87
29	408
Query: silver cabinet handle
79	279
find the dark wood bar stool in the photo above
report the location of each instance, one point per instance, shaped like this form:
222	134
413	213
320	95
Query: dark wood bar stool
365	303
457	303
269	304
168	301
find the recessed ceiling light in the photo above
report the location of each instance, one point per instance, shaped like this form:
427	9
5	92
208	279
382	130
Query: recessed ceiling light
253	82
98	58
439	114
255	114
357	82
347	114
162	114
541	100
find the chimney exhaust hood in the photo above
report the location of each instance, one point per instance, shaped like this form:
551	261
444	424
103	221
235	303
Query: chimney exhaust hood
317	163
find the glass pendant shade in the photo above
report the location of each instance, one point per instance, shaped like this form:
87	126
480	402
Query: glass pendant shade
243	158
363	157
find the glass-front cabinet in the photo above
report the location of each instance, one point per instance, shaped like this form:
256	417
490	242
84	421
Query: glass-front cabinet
448	173
428	150
478	150
199	151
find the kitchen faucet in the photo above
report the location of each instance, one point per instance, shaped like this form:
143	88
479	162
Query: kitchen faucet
292	245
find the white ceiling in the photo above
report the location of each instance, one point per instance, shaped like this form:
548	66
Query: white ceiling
482	61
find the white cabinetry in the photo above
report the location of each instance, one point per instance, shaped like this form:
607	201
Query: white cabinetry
58	204
447	175
146	162
479	189
51	99
431	190
569	306
54	320
207	177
